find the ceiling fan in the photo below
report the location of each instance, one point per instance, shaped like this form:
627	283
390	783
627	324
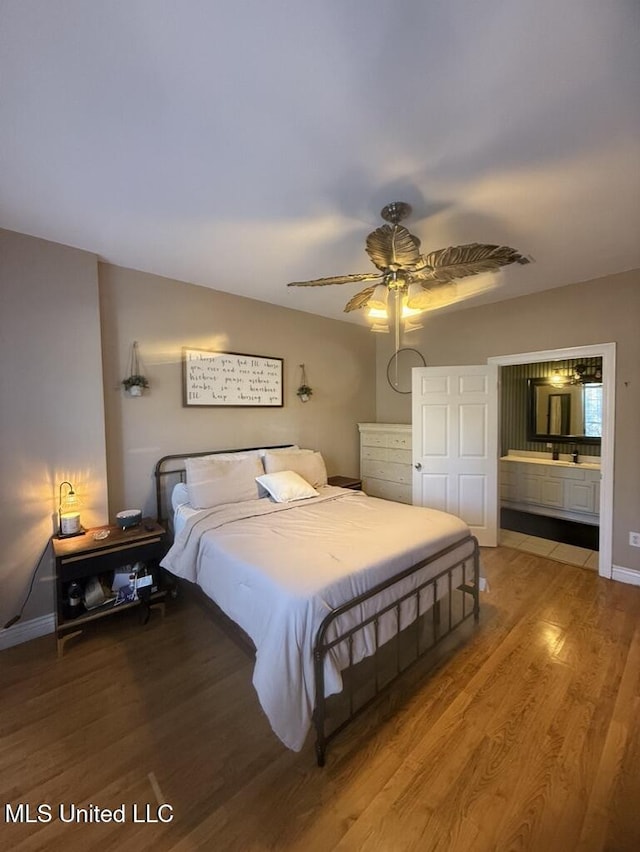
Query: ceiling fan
413	277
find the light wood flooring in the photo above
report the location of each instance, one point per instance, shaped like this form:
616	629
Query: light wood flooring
526	738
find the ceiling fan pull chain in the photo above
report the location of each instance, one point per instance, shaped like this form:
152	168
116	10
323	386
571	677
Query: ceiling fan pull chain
396	307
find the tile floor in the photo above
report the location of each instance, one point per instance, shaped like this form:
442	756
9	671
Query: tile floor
552	549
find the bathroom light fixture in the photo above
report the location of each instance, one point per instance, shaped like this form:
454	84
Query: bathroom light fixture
68	512
558	380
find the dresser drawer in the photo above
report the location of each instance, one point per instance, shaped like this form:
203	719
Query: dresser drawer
387	490
375	453
386	454
400	442
399	456
388	471
374	439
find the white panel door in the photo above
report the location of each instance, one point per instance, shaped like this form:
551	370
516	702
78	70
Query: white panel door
455	444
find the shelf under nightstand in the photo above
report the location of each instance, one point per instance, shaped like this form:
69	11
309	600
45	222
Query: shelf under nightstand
82	557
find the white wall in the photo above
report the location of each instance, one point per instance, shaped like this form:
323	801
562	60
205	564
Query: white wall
51	407
163	315
606	310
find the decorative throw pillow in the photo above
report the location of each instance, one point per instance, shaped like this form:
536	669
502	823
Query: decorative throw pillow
213	481
286	486
309	466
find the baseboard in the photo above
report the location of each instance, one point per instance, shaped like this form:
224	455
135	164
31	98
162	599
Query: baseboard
27	630
625	575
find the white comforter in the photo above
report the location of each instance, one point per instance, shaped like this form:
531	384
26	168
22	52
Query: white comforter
278	569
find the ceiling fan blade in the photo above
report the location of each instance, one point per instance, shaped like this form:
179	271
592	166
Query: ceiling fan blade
360	300
454	262
393	245
337	279
437	296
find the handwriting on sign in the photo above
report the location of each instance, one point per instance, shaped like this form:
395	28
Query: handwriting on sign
226	378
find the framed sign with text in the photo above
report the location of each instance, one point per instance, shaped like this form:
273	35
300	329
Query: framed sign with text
211	378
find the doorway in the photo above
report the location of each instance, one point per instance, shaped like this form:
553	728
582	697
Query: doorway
606	352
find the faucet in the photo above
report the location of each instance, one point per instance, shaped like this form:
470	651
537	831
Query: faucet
574	455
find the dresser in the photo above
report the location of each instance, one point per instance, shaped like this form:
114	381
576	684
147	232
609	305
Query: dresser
385	460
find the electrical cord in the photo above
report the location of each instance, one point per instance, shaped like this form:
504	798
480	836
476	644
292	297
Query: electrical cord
17	617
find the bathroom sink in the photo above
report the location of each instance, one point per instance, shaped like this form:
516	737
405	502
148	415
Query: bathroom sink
541	458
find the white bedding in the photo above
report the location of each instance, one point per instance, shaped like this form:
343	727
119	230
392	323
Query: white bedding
278	569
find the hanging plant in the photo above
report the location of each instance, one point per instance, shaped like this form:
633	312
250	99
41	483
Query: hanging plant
304	391
136	382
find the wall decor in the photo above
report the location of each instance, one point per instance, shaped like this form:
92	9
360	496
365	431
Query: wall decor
304	392
211	378
136	382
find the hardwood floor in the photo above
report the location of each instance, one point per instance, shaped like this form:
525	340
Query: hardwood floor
526	738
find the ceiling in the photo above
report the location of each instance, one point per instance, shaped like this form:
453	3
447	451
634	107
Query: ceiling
244	145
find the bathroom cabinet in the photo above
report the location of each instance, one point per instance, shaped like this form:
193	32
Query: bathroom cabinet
559	489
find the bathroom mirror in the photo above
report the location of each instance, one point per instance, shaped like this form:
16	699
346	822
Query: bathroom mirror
570	413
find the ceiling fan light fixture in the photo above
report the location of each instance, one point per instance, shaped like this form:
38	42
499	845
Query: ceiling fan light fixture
418	299
409	313
378	300
404	271
378	314
380	327
395	280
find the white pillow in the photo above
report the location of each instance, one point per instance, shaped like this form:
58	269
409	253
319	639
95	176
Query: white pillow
212	481
290	448
309	466
241	454
179	495
286	485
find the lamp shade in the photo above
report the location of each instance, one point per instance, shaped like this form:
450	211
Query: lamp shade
417	297
378	300
68	511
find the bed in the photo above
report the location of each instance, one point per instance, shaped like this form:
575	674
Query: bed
338	592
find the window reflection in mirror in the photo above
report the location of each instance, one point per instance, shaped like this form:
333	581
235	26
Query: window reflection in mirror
569	413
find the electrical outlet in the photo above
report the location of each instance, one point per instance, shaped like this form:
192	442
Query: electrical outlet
634	539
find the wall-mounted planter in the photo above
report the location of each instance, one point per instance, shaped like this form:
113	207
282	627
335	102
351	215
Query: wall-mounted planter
304	391
135	383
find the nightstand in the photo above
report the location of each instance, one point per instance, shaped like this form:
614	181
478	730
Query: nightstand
349	482
82	557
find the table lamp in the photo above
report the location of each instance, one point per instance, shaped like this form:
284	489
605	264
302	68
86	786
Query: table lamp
68	512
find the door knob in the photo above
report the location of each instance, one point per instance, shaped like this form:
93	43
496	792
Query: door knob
418	466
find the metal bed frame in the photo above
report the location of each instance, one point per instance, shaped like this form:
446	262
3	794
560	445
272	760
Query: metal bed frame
459	600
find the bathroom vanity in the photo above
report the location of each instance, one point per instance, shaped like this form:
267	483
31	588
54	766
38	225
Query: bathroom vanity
534	482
